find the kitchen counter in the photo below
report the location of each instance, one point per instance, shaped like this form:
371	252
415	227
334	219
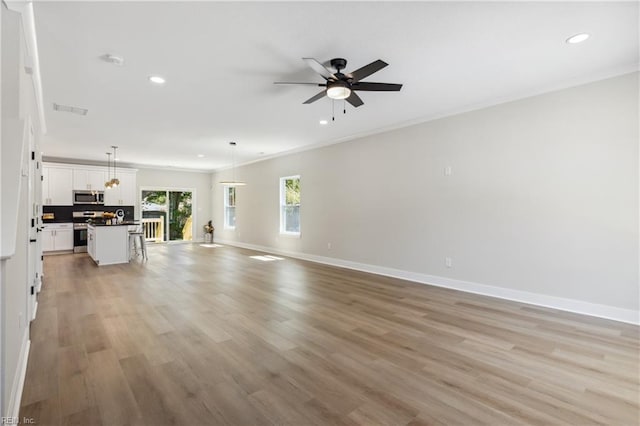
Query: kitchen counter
117	224
108	244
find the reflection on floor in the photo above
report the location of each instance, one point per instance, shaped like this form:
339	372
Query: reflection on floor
210	337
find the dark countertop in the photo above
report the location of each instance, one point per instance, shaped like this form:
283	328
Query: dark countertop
125	223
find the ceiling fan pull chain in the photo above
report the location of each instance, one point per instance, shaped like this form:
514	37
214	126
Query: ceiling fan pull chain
333	110
344	107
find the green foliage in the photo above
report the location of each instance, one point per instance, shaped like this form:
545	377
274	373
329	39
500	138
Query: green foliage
179	212
155	197
292	192
178	208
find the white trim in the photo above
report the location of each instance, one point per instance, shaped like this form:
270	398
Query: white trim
282	204
225	200
561	303
35	311
627	69
194	203
18	380
25	9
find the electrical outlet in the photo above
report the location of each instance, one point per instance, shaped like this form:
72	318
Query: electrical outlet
448	262
328	246
447	171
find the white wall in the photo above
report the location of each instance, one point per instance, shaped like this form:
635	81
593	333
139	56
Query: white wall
542	199
18	106
181	180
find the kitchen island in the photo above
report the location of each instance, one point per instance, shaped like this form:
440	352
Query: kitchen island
108	244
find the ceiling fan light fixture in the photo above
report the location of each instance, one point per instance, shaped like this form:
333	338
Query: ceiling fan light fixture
338	91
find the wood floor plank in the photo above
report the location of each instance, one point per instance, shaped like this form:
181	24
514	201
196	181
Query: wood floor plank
113	395
198	336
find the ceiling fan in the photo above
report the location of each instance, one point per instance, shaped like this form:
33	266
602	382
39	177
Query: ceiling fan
344	86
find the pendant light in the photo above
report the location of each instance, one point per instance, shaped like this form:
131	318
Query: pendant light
233	182
115	181
107	184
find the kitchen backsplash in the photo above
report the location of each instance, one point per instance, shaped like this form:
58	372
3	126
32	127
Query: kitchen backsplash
65	213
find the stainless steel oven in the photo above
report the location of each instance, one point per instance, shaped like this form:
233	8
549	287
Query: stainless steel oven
80	229
88	197
79	237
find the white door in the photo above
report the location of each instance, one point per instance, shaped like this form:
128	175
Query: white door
32	226
38	208
60	186
47	239
96	179
63	239
112	196
45	186
128	190
80	179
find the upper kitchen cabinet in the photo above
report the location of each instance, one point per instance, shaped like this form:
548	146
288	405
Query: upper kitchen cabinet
125	193
57	186
87	179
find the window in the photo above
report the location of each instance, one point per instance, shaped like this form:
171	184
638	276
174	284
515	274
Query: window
230	207
290	205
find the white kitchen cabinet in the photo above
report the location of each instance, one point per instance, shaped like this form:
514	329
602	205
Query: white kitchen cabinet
47	239
125	194
57	186
91	241
87	179
60	180
108	244
57	237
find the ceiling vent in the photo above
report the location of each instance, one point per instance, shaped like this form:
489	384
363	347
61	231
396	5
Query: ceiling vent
73	110
113	59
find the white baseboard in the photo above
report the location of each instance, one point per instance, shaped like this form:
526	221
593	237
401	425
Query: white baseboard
564	304
18	380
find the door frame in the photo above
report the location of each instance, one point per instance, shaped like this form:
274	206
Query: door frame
31	221
172	189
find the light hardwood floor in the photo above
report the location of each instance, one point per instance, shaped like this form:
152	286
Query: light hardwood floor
201	336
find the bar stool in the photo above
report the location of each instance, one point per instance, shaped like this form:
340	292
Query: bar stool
137	238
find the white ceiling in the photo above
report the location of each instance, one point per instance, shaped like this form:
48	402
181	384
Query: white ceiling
221	59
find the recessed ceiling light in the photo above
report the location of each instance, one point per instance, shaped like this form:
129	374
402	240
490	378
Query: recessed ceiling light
578	38
156	79
200	155
323	122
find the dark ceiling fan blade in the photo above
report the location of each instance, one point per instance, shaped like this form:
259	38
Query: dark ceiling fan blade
319	68
376	87
354	100
367	70
316	97
308	84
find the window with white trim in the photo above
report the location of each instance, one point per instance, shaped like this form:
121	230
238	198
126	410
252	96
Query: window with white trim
290	205
230	207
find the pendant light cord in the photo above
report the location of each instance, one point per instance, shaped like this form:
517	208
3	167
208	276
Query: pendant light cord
114	160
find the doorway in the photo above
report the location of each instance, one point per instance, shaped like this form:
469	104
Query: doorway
167	214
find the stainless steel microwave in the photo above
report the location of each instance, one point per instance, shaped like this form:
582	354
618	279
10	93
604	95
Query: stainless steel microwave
88	197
